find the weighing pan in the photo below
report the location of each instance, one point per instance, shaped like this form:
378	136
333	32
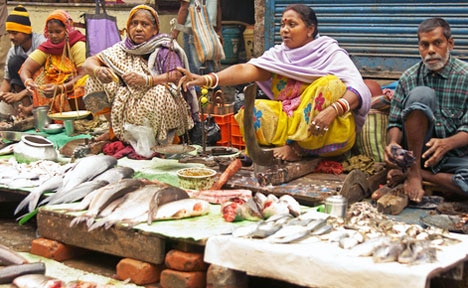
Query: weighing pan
173	149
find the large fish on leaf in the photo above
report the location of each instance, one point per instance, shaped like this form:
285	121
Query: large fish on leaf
133	209
103	197
182	209
50	185
86	169
164	196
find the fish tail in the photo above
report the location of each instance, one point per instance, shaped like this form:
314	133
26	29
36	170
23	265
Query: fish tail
23	203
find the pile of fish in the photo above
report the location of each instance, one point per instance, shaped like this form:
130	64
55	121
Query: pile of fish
259	207
110	195
16	270
364	232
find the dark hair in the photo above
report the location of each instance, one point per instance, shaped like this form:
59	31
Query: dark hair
432	23
307	15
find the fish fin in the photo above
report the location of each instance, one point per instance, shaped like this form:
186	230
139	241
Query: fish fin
152	214
27	200
95	225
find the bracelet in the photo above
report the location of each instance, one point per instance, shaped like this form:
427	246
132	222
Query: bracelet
208	81
217	80
345	105
26	81
334	105
95	70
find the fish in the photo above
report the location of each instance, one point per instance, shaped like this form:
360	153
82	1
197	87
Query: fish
288	234
292	204
115	174
164	196
245	231
86	169
265	229
103	197
132	210
183	208
50	185
10	257
77	193
9	273
37	281
388	252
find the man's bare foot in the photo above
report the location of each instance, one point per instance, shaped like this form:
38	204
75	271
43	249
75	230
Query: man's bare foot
286	153
413	187
395	177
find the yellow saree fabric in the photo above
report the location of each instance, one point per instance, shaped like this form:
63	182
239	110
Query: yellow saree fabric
275	126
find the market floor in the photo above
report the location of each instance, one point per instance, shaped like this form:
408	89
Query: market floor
19	238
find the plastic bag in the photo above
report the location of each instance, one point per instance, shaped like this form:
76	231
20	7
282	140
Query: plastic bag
142	138
213	132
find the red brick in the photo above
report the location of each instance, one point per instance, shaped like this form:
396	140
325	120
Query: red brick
53	249
179	279
138	272
185	261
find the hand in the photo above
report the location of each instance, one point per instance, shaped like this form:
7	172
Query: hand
437	149
11	97
189	79
51	90
321	123
389	159
135	79
105	74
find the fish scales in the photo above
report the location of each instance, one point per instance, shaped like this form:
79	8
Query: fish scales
164	196
115	174
79	192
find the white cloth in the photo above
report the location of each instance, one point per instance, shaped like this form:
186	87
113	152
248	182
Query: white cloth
323	264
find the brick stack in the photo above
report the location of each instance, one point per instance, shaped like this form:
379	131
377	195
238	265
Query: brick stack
184	270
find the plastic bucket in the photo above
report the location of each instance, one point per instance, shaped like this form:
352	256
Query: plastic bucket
248	41
232	38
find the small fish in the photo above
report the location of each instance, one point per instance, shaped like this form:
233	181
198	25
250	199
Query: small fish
183	209
265	229
9	273
387	252
245	231
288	234
164	196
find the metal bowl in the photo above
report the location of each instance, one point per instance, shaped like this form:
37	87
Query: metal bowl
53	128
196	178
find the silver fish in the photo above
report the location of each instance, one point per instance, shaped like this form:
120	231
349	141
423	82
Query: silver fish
77	193
86	169
115	174
387	252
131	210
164	196
10	257
50	185
265	229
9	273
104	196
288	234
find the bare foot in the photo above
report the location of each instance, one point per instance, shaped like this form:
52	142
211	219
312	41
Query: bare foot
413	187
103	137
395	177
286	153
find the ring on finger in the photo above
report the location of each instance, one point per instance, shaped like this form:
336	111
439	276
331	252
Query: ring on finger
317	127
325	129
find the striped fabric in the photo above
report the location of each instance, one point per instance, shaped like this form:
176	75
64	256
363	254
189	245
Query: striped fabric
206	40
371	141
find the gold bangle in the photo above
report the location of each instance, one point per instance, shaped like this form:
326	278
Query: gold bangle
94	71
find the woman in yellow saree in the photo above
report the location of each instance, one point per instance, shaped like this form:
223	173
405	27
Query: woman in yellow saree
53	71
318	100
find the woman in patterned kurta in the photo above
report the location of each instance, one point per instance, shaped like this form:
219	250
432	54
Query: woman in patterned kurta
132	81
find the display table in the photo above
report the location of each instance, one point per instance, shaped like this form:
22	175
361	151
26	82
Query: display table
323	264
